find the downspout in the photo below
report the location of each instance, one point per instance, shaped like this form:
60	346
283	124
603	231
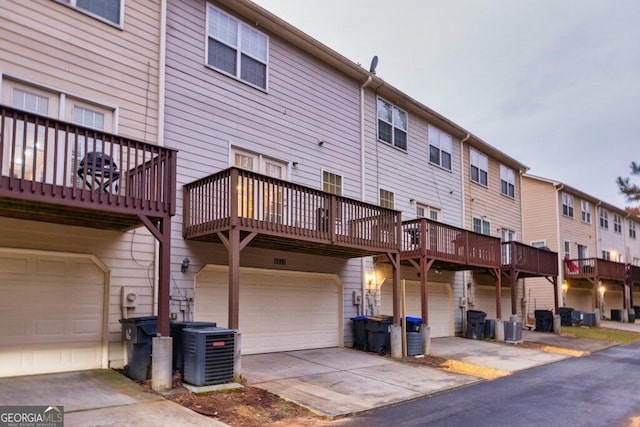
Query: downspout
160	135
524	281
465	273
363	265
560	244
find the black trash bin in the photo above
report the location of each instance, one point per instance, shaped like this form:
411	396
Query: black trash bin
577	317
566	316
632	316
137	333
616	315
475	324
544	320
378	334
175	330
636	309
359	328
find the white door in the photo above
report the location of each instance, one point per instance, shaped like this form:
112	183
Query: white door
52	314
485	300
580	299
279	310
440	305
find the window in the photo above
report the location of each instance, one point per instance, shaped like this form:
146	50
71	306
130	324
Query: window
632	229
439	147
567	249
108	10
636	261
583	252
236	49
507	235
479	167
617	224
480	225
424	211
604	219
386	199
507	181
585	207
331	183
540	244
392	125
567	205
606	255
30	101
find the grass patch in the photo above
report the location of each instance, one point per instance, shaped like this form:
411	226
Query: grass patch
601	334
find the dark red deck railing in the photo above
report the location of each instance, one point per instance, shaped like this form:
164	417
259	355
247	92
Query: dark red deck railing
449	244
584	268
529	260
266	205
43	160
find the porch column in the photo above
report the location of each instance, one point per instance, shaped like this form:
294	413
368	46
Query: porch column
555	294
424	290
498	277
234	278
596	297
397	295
164	271
513	278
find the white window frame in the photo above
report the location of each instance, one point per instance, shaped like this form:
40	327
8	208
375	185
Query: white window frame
632	229
442	144
604	218
585	209
606	255
73	5
480	163
484	226
394	111
538	244
508	181
325	184
617	224
567	205
567	249
429	212
387	200
241	27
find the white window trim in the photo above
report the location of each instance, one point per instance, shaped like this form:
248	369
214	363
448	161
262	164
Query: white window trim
239	50
427	211
564	248
322	171
393	126
72	5
480	156
632	229
583	212
570	204
507	175
543	243
603	216
482	223
617	223
434	130
380	199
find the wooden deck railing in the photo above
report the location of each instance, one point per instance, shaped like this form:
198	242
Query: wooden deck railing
528	260
448	244
584	268
633	274
255	202
49	161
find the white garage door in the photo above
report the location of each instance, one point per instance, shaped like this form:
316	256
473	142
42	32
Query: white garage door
485	300
580	299
613	300
52	313
440	305
279	310
636	298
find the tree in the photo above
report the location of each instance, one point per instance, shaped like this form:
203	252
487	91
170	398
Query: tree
631	191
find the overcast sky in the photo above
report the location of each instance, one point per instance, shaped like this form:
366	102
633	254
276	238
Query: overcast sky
553	83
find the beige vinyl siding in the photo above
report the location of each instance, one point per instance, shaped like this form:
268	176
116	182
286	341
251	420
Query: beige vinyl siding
501	211
53	45
208	112
128	256
408	173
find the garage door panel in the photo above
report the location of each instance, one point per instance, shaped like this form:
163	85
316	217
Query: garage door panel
613	300
485	300
580	299
440	305
52	322
278	312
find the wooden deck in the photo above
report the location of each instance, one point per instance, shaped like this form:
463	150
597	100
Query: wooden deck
528	261
277	214
58	172
594	269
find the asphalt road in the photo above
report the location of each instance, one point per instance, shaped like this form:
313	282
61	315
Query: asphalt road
599	390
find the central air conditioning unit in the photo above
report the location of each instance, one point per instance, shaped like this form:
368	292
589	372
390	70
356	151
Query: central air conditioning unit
175	330
208	355
512	331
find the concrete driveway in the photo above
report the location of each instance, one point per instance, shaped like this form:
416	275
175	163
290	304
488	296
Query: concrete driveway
98	398
336	382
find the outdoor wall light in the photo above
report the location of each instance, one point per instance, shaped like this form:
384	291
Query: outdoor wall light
565	287
602	289
185	265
